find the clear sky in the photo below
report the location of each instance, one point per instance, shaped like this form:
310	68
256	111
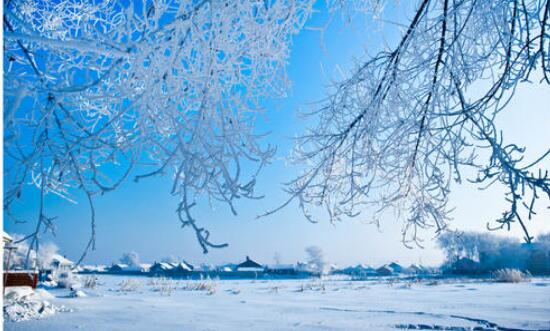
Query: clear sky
141	218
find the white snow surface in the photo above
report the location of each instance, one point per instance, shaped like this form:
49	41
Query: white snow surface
328	304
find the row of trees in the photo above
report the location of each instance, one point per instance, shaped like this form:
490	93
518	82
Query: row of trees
492	252
94	90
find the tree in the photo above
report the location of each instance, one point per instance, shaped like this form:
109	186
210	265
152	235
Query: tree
97	89
411	119
25	257
131	259
316	261
490	251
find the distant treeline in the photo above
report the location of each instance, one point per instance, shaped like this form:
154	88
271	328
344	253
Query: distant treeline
477	253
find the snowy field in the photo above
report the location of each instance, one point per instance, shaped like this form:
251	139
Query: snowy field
331	304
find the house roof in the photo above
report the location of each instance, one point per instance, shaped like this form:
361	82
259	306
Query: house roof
395	265
385	267
249	264
184	266
61	260
6	237
162	266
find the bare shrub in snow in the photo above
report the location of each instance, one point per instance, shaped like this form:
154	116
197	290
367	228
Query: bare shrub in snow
90	282
315	286
207	285
129	285
165	286
510	276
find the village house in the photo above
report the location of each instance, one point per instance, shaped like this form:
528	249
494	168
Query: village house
384	270
396	267
250	265
281	269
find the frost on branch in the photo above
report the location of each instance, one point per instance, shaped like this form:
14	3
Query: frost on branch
409	120
93	89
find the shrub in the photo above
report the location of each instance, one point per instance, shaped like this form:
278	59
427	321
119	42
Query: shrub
207	285
129	285
510	276
90	282
163	285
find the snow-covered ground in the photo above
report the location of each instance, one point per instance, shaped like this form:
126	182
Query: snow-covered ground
332	304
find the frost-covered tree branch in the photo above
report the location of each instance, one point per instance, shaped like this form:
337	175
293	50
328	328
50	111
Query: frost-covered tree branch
412	118
94	89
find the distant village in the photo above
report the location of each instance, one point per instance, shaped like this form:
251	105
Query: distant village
469	255
250	268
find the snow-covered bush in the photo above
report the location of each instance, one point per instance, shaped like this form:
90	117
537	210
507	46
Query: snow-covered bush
510	276
313	285
90	282
129	285
165	286
207	285
22	303
67	280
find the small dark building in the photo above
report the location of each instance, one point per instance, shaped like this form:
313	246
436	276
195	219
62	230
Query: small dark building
384	270
250	265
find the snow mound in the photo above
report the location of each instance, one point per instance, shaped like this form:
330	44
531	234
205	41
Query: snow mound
21	303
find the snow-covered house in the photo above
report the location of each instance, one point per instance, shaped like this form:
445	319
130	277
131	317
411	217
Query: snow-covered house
118	267
6	238
414	269
182	268
359	269
161	268
384	270
250	265
229	267
396	267
61	263
281	269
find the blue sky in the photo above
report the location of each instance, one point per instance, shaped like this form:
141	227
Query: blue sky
141	218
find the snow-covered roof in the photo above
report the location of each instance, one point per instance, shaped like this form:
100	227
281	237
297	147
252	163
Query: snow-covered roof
249	264
385	267
184	266
163	266
61	260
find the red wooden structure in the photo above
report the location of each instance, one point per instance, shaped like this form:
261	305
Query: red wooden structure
20	278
